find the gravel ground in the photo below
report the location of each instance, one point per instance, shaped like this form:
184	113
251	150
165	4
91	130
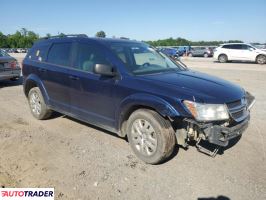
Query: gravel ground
84	162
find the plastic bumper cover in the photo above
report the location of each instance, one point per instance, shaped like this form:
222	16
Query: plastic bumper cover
220	135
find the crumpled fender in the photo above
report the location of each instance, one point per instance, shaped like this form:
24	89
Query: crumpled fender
140	99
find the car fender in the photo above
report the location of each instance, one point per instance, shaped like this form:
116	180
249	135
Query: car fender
39	83
160	105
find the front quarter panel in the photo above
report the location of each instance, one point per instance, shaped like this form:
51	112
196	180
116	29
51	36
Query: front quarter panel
144	100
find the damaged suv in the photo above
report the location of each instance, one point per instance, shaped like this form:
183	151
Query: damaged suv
129	88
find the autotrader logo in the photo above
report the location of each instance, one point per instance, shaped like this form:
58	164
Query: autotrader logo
26	193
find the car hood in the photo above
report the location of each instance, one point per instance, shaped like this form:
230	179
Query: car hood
201	87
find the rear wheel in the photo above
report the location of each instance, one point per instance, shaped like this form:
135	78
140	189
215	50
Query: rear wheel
37	105
206	55
222	58
261	59
151	137
190	55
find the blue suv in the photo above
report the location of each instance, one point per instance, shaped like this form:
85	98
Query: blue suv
131	89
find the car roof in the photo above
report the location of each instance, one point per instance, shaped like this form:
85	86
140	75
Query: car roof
232	43
95	39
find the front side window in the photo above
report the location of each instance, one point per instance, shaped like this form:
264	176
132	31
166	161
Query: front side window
60	54
88	56
244	47
140	58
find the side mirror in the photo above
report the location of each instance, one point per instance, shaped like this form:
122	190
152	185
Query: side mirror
105	70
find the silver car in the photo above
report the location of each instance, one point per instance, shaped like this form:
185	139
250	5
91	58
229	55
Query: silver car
201	51
9	67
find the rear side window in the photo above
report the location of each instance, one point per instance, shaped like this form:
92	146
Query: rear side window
38	53
88	56
233	46
60	54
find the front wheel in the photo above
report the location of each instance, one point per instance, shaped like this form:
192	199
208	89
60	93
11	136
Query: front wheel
37	105
206	55
261	59
151	137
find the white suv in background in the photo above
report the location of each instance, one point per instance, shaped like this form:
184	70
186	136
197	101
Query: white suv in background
239	51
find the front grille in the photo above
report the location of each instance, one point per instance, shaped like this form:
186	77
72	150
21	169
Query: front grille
239	114
234	104
238	109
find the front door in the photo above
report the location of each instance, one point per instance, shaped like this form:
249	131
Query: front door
92	96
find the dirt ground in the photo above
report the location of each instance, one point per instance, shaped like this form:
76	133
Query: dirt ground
84	162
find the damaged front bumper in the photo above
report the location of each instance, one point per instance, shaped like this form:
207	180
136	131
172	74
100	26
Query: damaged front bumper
221	135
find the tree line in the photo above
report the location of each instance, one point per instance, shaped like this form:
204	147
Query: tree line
184	42
25	39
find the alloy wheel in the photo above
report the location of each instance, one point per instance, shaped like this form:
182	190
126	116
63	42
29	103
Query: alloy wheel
144	137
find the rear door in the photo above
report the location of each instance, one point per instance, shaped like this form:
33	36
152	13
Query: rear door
56	77
196	51
235	52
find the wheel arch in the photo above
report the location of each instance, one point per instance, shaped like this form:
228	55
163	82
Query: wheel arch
222	54
142	101
261	54
34	81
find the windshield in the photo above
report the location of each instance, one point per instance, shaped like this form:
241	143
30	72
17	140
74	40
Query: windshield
3	53
140	58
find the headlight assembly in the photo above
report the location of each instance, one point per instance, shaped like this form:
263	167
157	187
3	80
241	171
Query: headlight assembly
207	112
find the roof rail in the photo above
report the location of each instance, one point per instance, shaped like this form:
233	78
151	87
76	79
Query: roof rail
63	36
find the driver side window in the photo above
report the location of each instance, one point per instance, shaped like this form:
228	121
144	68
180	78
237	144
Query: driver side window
88	56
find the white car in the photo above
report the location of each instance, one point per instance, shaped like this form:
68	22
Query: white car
239	52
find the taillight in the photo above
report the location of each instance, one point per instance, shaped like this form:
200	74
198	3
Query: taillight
13	64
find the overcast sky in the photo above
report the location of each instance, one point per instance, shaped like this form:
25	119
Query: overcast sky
140	19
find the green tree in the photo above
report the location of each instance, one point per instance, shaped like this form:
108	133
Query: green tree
101	34
48	35
61	35
20	39
3	41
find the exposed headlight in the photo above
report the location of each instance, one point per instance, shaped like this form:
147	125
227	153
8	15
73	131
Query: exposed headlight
207	112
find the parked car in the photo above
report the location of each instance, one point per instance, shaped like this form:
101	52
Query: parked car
128	88
9	67
200	51
239	52
171	52
183	50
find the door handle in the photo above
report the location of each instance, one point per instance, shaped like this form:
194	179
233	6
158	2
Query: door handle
42	70
75	78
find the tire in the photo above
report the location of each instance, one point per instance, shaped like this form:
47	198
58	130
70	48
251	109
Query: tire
261	59
150	136
205	55
223	58
37	105
190	55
